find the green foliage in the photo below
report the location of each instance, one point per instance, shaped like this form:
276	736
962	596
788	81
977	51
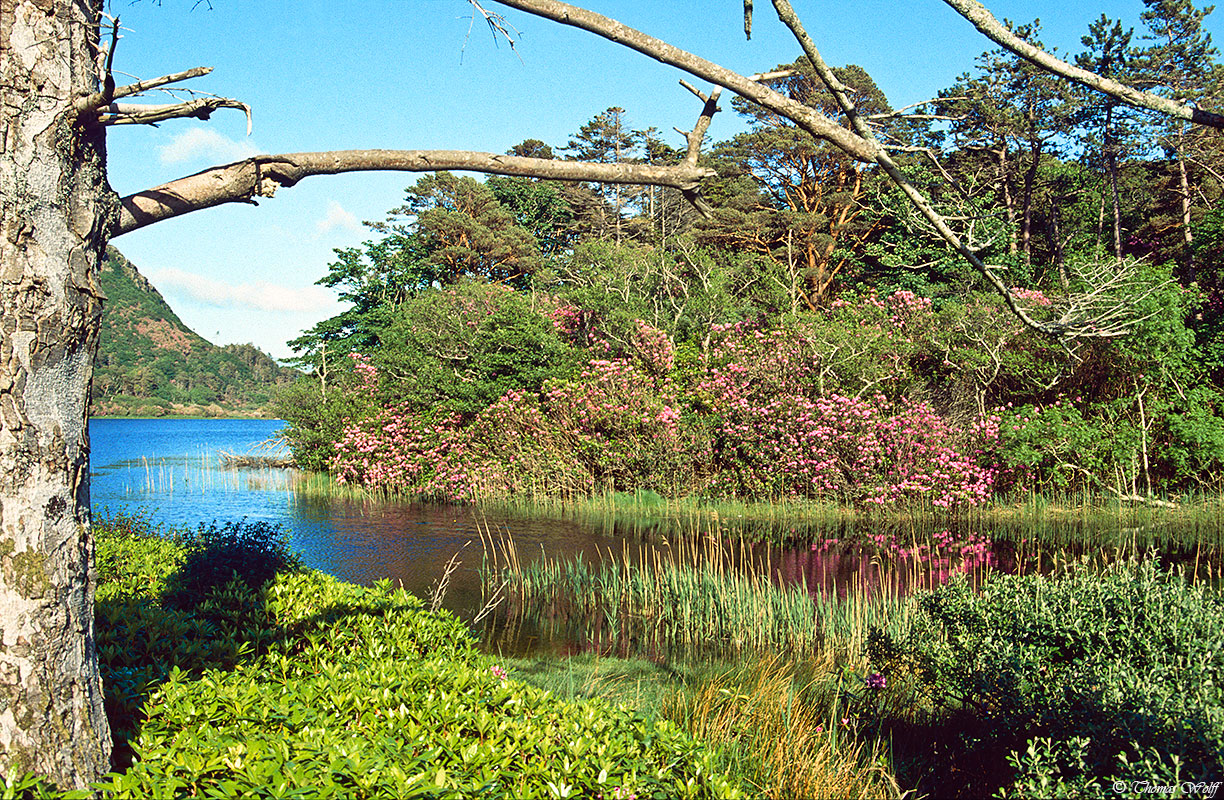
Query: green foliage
459	350
793	200
216	556
305	686
805	242
1084	678
682	292
538	207
317	409
150	364
1208	319
442	352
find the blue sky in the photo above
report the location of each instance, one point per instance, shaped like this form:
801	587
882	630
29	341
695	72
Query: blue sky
406	74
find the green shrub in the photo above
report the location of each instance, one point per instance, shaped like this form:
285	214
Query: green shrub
1083	678
251	552
306	686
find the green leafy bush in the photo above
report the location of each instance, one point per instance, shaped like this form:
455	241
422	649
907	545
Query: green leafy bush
1076	681
249	552
306	686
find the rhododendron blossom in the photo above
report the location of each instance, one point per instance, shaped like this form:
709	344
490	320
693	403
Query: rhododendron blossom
756	421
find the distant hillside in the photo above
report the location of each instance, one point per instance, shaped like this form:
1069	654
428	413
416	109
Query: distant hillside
151	364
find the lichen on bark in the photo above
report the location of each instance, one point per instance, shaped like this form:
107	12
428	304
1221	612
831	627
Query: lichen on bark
55	211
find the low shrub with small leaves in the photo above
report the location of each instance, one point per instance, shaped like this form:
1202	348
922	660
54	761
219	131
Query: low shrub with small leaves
306	686
1072	683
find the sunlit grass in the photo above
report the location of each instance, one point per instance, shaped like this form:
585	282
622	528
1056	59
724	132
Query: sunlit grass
780	723
640	683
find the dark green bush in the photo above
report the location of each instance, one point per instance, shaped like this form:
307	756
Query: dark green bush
250	552
1070	683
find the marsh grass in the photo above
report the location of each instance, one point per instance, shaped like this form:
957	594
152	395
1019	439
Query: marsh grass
1192	527
787	724
643	684
323	486
692	597
781	723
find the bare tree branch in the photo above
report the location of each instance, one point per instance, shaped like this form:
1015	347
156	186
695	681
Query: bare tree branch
696	136
859	142
998	33
497	26
900	112
261	176
200	108
787	14
806	117
99	100
769	76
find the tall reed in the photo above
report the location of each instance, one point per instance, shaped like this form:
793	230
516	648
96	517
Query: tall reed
695	595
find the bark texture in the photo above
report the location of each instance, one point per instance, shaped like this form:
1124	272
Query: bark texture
261	176
55	207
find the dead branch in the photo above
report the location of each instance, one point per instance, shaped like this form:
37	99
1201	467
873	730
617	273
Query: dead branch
998	33
900	112
498	26
261	176
806	117
769	76
97	101
696	136
786	13
140	114
1106	309
1132	498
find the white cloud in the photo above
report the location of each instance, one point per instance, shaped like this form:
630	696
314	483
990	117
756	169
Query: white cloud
337	217
204	144
261	296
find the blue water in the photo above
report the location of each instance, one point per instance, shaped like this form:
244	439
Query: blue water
170	471
170	468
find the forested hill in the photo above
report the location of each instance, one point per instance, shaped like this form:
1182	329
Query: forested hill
151	364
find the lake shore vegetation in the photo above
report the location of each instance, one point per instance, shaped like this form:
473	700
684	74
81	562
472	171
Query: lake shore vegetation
231	670
1066	684
528	339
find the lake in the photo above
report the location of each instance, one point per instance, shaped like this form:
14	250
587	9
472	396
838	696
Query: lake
171	471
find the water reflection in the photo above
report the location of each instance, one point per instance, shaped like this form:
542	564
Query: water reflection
170	470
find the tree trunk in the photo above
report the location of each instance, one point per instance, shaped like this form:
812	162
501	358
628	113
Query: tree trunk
1009	203
1111	167
1183	183
1026	201
55	210
1057	247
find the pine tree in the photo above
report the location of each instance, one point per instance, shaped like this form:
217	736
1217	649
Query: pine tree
1181	63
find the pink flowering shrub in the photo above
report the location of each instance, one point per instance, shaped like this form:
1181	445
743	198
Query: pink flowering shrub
778	433
613	426
872	451
757	420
